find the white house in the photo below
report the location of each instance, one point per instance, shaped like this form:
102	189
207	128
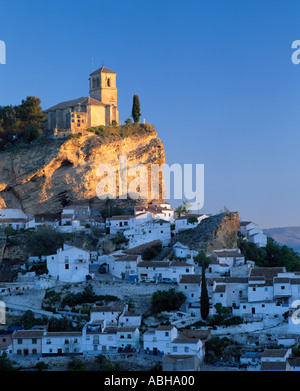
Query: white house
246	226
182	251
61	343
253	233
167	340
178	269
108	314
16	219
130	319
69	264
159	340
118	224
154	270
148	231
124	266
190	286
156	210
185	222
128	337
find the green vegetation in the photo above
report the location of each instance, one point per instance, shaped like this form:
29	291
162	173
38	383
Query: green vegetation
151	252
184	208
167	301
122	131
86	296
204	299
76	365
223	317
21	123
45	241
5	363
136	108
106	365
28	320
192	220
217	345
272	255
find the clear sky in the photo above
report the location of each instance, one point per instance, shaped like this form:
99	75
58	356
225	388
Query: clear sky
214	77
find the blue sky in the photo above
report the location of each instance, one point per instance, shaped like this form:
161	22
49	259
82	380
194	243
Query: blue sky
214	77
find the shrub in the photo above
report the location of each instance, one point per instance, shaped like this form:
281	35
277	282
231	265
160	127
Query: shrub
167	300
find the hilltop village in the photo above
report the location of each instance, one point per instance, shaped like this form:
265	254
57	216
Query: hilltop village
124	285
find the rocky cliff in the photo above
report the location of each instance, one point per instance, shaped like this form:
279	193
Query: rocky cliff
213	233
46	176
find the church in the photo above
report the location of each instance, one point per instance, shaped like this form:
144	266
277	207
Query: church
99	108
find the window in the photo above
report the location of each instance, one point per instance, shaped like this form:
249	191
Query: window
108	82
66	266
4	339
174	349
187	270
122	336
166	334
19	341
19	352
253	289
186	349
128	336
34	341
266	288
66	341
282	287
34	352
48	341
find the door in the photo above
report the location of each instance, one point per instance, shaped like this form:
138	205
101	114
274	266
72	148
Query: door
253	310
25	351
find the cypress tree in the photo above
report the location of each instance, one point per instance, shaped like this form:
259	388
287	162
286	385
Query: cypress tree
136	109
204	300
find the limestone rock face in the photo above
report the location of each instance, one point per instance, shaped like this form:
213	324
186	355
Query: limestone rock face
47	177
213	233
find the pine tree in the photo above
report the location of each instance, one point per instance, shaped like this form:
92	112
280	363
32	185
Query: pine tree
136	109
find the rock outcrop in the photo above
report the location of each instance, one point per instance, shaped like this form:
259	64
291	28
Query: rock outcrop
45	177
213	233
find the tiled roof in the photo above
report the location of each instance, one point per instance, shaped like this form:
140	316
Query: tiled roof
274	353
184	339
85	100
153	264
198	334
190	279
142	247
229	254
28	334
102	70
165	327
267	272
122	217
220	289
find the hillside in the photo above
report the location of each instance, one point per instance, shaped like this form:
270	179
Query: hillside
50	173
213	233
289	236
